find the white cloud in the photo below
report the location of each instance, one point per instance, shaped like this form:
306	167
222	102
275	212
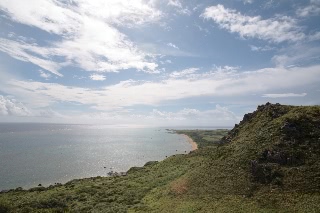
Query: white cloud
269	4
44	74
224	69
87	34
284	95
217	83
175	3
314	37
166	62
11	107
277	29
197	7
21	51
97	77
186	117
247	1
222	115
48	113
189	116
13	110
66	17
219	113
179	8
312	9
205	30
51	16
265	48
297	55
183	73
121	12
162	50
173	45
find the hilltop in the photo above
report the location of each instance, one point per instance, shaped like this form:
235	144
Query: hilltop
269	162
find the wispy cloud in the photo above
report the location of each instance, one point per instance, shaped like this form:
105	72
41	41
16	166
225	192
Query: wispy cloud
44	75
87	34
97	77
166	50
30	53
195	115
183	73
312	9
172	45
248	1
175	3
301	54
179	7
277	29
284	95
269	4
265	48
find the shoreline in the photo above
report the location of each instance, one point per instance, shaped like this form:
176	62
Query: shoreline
194	145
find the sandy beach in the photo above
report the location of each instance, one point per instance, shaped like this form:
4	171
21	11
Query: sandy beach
193	144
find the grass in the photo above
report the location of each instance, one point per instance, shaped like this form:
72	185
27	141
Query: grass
204	137
267	163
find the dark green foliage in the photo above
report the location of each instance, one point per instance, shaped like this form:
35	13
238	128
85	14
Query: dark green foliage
265	173
134	169
150	163
4	207
37	189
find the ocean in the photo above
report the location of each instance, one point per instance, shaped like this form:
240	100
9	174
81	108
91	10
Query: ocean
32	154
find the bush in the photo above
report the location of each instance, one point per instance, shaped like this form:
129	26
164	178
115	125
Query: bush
4	207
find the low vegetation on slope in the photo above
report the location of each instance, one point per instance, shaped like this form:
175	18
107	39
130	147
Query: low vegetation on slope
267	163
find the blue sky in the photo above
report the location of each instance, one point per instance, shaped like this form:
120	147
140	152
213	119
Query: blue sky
167	63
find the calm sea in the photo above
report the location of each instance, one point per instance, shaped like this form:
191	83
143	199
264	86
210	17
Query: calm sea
31	154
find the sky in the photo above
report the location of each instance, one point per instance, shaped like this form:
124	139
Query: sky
155	62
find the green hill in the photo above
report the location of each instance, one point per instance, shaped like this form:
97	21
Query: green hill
267	163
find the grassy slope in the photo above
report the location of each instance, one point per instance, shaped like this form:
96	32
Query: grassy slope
225	180
234	175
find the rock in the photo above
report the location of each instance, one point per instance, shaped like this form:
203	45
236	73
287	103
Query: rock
288	127
123	174
264	173
247	117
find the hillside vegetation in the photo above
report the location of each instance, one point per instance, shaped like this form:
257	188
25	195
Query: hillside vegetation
267	163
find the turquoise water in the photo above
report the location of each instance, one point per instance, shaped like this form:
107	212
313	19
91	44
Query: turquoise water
31	154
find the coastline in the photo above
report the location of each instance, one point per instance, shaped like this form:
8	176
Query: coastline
47	184
194	145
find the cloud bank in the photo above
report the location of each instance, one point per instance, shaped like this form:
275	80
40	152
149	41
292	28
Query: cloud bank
217	83
284	95
12	107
